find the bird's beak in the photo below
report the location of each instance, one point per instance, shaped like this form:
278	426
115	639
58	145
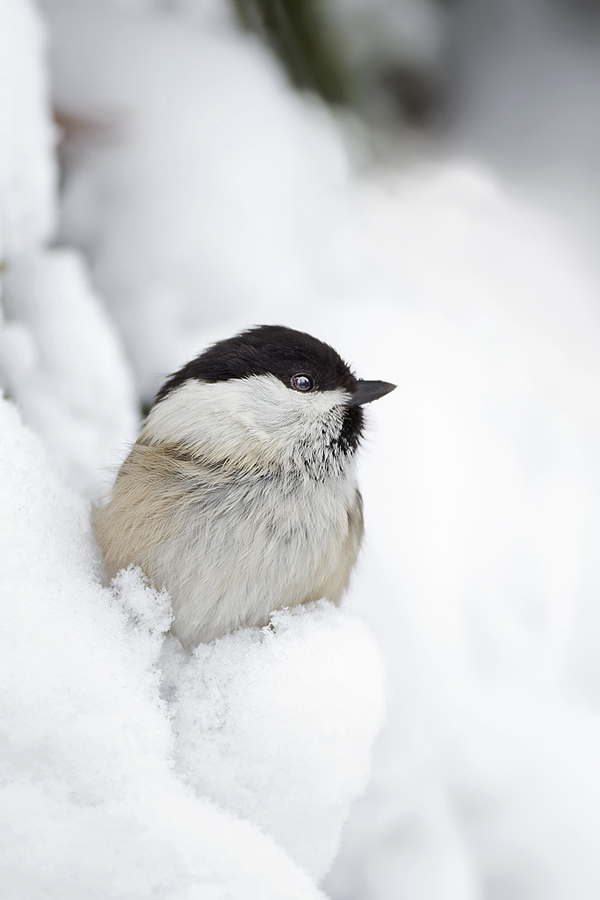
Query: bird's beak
367	391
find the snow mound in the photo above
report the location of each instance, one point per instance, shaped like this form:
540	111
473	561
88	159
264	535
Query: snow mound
89	805
277	724
63	363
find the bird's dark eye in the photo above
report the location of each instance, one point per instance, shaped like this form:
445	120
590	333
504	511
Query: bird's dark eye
302	383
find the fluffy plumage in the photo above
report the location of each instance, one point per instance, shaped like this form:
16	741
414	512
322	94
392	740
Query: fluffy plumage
240	494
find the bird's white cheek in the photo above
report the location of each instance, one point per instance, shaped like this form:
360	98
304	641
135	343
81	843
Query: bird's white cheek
201	417
257	417
283	413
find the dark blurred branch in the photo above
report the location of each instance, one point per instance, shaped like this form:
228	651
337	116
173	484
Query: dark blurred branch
299	34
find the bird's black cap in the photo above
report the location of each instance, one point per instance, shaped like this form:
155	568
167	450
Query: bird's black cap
267	350
284	352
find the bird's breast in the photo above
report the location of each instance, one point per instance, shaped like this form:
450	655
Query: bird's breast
230	547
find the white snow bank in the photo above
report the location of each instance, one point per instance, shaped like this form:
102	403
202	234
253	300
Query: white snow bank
207	151
481	501
277	725
61	360
485	482
90	807
525	783
90	804
27	165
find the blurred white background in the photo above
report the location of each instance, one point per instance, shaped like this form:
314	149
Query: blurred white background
418	183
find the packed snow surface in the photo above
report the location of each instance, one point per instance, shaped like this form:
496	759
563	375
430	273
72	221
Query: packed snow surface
308	683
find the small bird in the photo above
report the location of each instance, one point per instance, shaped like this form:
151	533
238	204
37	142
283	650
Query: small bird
240	495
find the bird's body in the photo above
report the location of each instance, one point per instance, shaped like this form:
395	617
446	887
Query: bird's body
229	548
240	496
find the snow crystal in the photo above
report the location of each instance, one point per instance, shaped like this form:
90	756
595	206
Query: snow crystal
149	612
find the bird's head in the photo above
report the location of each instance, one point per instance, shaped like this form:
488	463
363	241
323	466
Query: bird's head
268	397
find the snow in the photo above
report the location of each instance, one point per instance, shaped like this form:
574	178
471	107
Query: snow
480	506
181	176
311	685
207	196
60	356
91	805
27	164
64	365
105	787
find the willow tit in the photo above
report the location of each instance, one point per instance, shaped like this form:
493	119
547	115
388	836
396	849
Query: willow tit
240	496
